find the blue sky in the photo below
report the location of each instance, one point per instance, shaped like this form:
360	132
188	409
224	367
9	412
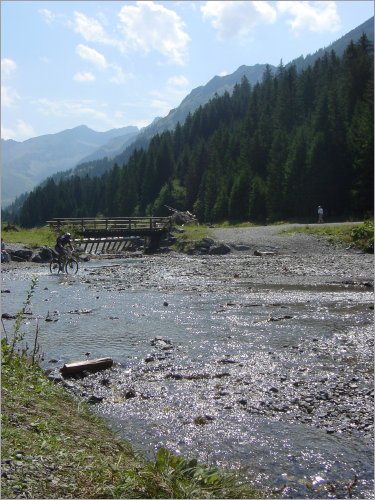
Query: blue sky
110	64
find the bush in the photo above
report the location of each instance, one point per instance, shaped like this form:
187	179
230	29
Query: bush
363	236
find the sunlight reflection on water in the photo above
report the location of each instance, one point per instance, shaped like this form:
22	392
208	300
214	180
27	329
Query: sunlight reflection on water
237	345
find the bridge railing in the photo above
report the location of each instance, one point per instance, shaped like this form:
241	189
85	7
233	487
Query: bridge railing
125	223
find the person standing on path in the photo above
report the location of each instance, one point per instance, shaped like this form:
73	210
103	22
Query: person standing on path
320	214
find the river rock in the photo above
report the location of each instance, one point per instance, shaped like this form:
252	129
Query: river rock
24	254
94	399
161	343
45	254
220	249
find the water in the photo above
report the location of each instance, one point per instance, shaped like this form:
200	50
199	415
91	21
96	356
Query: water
233	381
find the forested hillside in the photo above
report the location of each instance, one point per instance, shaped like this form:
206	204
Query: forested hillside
270	151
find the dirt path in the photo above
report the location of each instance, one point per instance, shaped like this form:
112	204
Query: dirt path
298	257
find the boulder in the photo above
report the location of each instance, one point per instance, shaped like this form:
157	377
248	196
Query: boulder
23	254
220	249
207	242
45	254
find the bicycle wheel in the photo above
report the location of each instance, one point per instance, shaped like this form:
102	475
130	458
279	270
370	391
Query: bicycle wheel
71	266
54	267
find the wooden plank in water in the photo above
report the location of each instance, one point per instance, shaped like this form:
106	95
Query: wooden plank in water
91	365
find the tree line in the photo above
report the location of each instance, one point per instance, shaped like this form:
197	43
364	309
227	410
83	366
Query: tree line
272	151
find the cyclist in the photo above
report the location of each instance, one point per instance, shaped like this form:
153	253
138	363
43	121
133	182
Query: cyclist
61	242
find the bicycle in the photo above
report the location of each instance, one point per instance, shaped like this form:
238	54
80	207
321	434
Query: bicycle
63	263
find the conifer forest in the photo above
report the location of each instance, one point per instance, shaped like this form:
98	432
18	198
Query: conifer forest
268	152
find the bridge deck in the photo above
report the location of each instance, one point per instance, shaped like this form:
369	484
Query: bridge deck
150	228
127	226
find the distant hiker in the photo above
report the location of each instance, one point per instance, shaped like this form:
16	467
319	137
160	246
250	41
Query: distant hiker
320	214
61	242
5	257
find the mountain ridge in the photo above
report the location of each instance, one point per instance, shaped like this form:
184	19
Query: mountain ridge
116	147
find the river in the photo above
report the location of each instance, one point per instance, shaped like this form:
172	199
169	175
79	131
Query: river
273	379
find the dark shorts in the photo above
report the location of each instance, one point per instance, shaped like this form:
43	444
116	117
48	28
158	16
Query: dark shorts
60	250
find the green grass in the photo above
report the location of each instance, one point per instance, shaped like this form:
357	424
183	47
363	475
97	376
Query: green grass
58	448
191	237
359	235
33	238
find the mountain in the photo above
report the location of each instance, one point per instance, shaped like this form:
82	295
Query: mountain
338	46
218	85
201	95
197	97
26	164
23	169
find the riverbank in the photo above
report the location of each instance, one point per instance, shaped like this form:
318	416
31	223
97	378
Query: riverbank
54	447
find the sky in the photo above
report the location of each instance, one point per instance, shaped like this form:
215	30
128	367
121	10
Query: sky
112	64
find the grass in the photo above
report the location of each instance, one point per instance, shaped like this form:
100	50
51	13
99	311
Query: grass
190	238
358	235
33	238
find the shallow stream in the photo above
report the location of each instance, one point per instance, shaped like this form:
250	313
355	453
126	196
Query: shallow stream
275	380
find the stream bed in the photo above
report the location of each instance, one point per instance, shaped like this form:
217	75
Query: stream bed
273	379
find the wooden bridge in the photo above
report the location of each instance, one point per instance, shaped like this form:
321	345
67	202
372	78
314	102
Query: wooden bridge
118	231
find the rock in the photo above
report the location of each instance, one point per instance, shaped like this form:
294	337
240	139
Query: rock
95	399
130	393
203	419
161	343
45	254
207	242
240	248
8	316
149	359
52	317
280	318
220	249
23	254
81	311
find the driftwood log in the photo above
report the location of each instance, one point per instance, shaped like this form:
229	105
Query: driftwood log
91	365
180	217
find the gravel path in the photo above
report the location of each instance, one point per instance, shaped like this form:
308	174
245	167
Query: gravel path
298	258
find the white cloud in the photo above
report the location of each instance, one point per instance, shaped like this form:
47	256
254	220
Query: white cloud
9	97
119	76
84	76
91	55
313	16
68	108
22	131
8	66
25	129
237	19
82	111
148	26
178	81
89	28
47	15
160	106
